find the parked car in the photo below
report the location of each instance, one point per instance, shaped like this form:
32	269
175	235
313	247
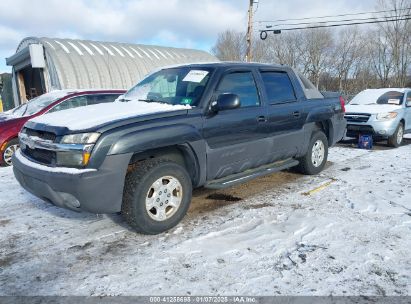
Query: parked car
12	121
382	113
212	125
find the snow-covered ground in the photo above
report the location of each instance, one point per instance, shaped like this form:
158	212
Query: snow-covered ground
271	236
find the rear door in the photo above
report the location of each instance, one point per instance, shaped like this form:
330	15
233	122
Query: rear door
235	138
285	112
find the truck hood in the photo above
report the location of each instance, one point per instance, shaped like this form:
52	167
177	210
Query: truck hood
371	109
89	117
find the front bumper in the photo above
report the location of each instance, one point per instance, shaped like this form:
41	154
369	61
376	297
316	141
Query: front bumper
96	191
382	129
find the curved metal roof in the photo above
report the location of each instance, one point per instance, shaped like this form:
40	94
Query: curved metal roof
93	64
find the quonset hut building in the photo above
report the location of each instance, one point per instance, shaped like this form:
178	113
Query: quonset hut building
41	65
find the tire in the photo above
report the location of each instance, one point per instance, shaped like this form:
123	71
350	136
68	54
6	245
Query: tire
395	140
309	164
148	184
8	152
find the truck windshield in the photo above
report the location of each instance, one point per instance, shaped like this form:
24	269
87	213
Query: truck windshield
177	86
372	97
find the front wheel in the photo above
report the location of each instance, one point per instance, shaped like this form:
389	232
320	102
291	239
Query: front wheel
314	160
157	194
9	151
395	140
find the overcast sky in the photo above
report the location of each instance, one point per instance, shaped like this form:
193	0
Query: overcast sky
178	23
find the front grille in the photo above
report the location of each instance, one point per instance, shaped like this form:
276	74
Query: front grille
41	134
355	130
42	156
357	117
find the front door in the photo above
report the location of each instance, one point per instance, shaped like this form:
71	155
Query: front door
235	138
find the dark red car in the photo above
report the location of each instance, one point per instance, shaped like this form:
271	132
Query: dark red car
12	121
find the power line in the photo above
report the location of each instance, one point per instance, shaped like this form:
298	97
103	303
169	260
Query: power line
334	21
263	33
330	16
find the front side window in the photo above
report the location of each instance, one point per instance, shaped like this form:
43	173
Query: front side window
75	102
278	87
241	84
176	86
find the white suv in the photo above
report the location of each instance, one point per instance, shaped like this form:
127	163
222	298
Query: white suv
383	113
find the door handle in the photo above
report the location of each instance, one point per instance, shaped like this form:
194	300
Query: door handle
261	119
296	114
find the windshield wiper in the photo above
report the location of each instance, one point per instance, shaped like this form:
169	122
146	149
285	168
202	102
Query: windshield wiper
25	110
153	100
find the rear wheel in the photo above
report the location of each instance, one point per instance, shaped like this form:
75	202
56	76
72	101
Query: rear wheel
314	160
157	195
8	152
395	140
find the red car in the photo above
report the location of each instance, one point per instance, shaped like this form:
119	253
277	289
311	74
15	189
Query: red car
12	121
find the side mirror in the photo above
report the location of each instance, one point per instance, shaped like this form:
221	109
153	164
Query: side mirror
408	104
226	101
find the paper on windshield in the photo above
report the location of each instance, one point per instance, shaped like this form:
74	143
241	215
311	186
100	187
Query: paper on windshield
394	101
195	76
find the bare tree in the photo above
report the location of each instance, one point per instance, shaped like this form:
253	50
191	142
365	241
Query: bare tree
349	60
285	49
396	35
316	48
230	46
345	54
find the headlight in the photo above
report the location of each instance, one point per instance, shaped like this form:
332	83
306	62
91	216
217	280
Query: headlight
82	138
77	159
386	116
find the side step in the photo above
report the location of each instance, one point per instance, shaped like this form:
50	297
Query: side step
247	175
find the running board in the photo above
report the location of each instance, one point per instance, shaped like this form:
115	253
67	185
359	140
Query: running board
247	175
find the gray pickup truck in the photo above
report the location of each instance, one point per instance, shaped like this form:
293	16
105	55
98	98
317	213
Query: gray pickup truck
213	125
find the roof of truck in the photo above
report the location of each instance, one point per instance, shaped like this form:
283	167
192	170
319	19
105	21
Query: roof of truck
231	64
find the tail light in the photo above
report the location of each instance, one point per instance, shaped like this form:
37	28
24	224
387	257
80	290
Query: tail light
342	102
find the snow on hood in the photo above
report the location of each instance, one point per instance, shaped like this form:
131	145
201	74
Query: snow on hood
94	115
371	109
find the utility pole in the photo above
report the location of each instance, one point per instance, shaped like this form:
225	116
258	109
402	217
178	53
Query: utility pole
248	56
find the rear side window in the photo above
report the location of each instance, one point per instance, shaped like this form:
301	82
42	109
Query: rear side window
278	87
242	84
101	98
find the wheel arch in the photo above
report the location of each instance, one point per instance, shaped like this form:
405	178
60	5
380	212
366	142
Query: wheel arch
327	127
181	154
